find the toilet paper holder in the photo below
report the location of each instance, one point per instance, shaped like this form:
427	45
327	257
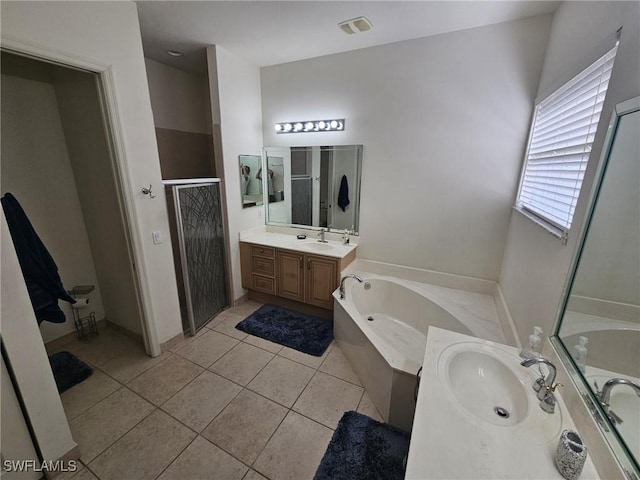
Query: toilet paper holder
85	325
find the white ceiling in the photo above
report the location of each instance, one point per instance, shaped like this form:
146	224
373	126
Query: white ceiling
273	32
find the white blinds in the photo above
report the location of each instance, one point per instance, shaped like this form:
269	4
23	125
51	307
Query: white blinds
563	130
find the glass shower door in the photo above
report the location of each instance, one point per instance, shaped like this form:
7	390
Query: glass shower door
201	238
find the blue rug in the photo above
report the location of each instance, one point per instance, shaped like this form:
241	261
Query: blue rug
362	448
299	331
68	370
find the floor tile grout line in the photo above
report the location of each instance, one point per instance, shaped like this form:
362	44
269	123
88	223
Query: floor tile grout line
122	436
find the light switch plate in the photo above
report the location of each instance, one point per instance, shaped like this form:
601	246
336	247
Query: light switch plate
157	237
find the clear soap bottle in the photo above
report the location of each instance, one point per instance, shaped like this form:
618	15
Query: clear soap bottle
535	344
580	353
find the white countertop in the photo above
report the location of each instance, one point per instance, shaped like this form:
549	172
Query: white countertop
447	443
290	242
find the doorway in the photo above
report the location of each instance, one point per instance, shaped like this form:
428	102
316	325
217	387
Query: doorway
59	162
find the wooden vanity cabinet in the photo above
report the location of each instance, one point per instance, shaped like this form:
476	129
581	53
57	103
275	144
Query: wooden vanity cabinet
302	277
258	268
290	278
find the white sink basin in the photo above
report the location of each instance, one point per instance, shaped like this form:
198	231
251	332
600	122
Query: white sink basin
482	382
316	246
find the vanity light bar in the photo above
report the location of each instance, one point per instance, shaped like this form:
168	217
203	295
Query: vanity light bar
311	126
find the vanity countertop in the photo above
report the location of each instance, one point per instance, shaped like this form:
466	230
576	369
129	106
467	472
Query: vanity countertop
332	248
447	443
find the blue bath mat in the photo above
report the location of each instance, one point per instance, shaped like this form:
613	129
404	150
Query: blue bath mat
299	331
362	448
68	370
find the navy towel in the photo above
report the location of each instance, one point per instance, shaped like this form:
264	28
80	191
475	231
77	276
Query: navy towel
343	194
38	268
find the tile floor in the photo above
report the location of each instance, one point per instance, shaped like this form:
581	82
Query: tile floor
220	405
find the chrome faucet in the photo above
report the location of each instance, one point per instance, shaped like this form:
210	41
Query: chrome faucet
321	235
544	385
351	275
605	396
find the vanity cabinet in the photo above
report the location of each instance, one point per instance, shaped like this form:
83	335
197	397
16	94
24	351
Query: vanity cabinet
308	278
262	270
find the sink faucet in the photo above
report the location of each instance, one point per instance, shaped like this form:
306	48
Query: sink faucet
605	396
321	235
544	385
351	275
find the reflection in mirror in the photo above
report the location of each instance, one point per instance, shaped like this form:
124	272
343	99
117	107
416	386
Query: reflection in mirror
313	186
600	324
250	183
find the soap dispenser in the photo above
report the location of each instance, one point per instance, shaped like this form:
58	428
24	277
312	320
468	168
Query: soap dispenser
580	353
535	344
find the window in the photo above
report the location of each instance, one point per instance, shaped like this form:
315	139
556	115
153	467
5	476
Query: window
564	126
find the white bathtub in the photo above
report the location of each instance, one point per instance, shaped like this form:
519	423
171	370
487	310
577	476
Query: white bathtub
382	325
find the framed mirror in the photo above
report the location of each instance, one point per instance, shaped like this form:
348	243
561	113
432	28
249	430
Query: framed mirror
313	186
250	183
598	328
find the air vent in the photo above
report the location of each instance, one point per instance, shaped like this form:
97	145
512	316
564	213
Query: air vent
355	25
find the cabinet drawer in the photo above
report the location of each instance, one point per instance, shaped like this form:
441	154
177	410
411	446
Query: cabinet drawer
264	266
263	251
264	284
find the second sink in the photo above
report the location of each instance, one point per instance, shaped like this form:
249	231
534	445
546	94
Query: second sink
483	385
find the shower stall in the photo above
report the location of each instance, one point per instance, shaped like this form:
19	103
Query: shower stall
199	249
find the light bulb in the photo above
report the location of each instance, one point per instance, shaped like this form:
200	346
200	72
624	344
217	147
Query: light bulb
297	127
308	126
278	127
321	125
287	127
334	124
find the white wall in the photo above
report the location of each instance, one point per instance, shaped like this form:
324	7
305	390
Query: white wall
535	263
237	118
86	140
36	169
443	121
27	357
177	98
108	33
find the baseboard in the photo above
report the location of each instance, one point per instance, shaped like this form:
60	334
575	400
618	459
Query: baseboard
449	280
171	343
604	308
291	304
243	299
508	325
60	342
67	463
126	332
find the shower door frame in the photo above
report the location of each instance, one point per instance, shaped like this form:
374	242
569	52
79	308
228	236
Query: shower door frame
175	186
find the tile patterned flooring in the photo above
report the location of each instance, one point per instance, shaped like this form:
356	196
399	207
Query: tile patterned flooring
220	405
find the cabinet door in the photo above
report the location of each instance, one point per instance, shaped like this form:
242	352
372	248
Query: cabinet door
322	280
290	274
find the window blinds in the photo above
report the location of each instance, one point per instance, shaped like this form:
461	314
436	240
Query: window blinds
563	130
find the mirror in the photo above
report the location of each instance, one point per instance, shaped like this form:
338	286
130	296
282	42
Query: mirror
250	183
313	186
599	322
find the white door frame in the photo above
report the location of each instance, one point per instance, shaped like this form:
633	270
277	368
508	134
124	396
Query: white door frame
115	140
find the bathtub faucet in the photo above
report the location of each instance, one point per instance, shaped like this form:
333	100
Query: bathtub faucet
351	275
605	396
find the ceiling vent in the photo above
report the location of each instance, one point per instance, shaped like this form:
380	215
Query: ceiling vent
355	25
